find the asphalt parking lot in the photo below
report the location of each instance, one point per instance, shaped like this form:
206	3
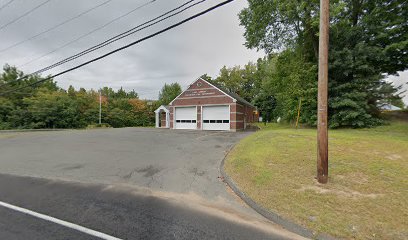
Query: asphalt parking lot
160	159
180	167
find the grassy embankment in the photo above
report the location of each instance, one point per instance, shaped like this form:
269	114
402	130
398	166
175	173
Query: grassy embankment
367	193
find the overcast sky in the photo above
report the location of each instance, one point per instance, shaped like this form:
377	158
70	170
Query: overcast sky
179	55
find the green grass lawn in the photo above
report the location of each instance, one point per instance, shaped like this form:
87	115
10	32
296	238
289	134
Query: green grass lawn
367	193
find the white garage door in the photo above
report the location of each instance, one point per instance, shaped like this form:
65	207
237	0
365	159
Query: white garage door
216	118
186	118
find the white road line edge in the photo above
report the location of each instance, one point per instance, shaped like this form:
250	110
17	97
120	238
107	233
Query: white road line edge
60	222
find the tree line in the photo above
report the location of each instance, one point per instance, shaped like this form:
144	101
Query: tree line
49	106
368	42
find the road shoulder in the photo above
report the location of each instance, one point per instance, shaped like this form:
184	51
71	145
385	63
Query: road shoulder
274	217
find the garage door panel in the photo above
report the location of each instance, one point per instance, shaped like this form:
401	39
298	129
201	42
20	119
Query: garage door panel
186	118
186	112
216	117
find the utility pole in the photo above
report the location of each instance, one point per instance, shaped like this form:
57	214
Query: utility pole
298	116
100	107
322	135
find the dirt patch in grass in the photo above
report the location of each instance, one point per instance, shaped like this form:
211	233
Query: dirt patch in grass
367	193
341	193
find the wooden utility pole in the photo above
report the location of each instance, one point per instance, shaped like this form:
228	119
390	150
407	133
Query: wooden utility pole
322	136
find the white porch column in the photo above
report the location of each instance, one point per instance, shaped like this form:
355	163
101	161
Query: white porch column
167	120
157	119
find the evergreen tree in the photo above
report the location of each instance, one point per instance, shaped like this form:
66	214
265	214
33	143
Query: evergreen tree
368	40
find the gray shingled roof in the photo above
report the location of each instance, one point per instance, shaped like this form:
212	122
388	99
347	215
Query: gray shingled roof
233	95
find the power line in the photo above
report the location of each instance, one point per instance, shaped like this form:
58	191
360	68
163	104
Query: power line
55	26
123	47
24	14
88	33
6	4
111	40
120	36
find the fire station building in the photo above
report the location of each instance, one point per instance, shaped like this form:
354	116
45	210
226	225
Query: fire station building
205	106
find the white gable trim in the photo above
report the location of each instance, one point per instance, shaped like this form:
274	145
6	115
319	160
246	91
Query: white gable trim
162	108
171	103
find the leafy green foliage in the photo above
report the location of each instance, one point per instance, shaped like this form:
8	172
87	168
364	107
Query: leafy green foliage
242	81
266	105
51	109
398	103
47	106
275	84
206	77
168	93
291	80
368	40
110	93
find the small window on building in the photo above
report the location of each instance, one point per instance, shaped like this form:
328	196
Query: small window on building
206	121
193	121
178	121
212	121
225	121
219	121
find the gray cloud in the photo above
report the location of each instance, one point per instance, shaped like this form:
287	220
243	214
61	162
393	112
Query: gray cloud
180	55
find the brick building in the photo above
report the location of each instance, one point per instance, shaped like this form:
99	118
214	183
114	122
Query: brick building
205	106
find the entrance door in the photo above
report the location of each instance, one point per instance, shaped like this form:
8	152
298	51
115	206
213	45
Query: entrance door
186	118
216	117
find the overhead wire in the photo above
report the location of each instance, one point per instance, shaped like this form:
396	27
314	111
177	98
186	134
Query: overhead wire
120	36
6	4
113	39
123	47
55	26
24	14
88	33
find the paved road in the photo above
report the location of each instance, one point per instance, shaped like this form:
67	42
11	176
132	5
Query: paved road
125	213
133	183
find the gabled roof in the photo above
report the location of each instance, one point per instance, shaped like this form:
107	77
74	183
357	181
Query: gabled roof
164	108
231	94
234	96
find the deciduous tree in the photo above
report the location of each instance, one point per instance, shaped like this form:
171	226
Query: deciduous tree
168	93
368	40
